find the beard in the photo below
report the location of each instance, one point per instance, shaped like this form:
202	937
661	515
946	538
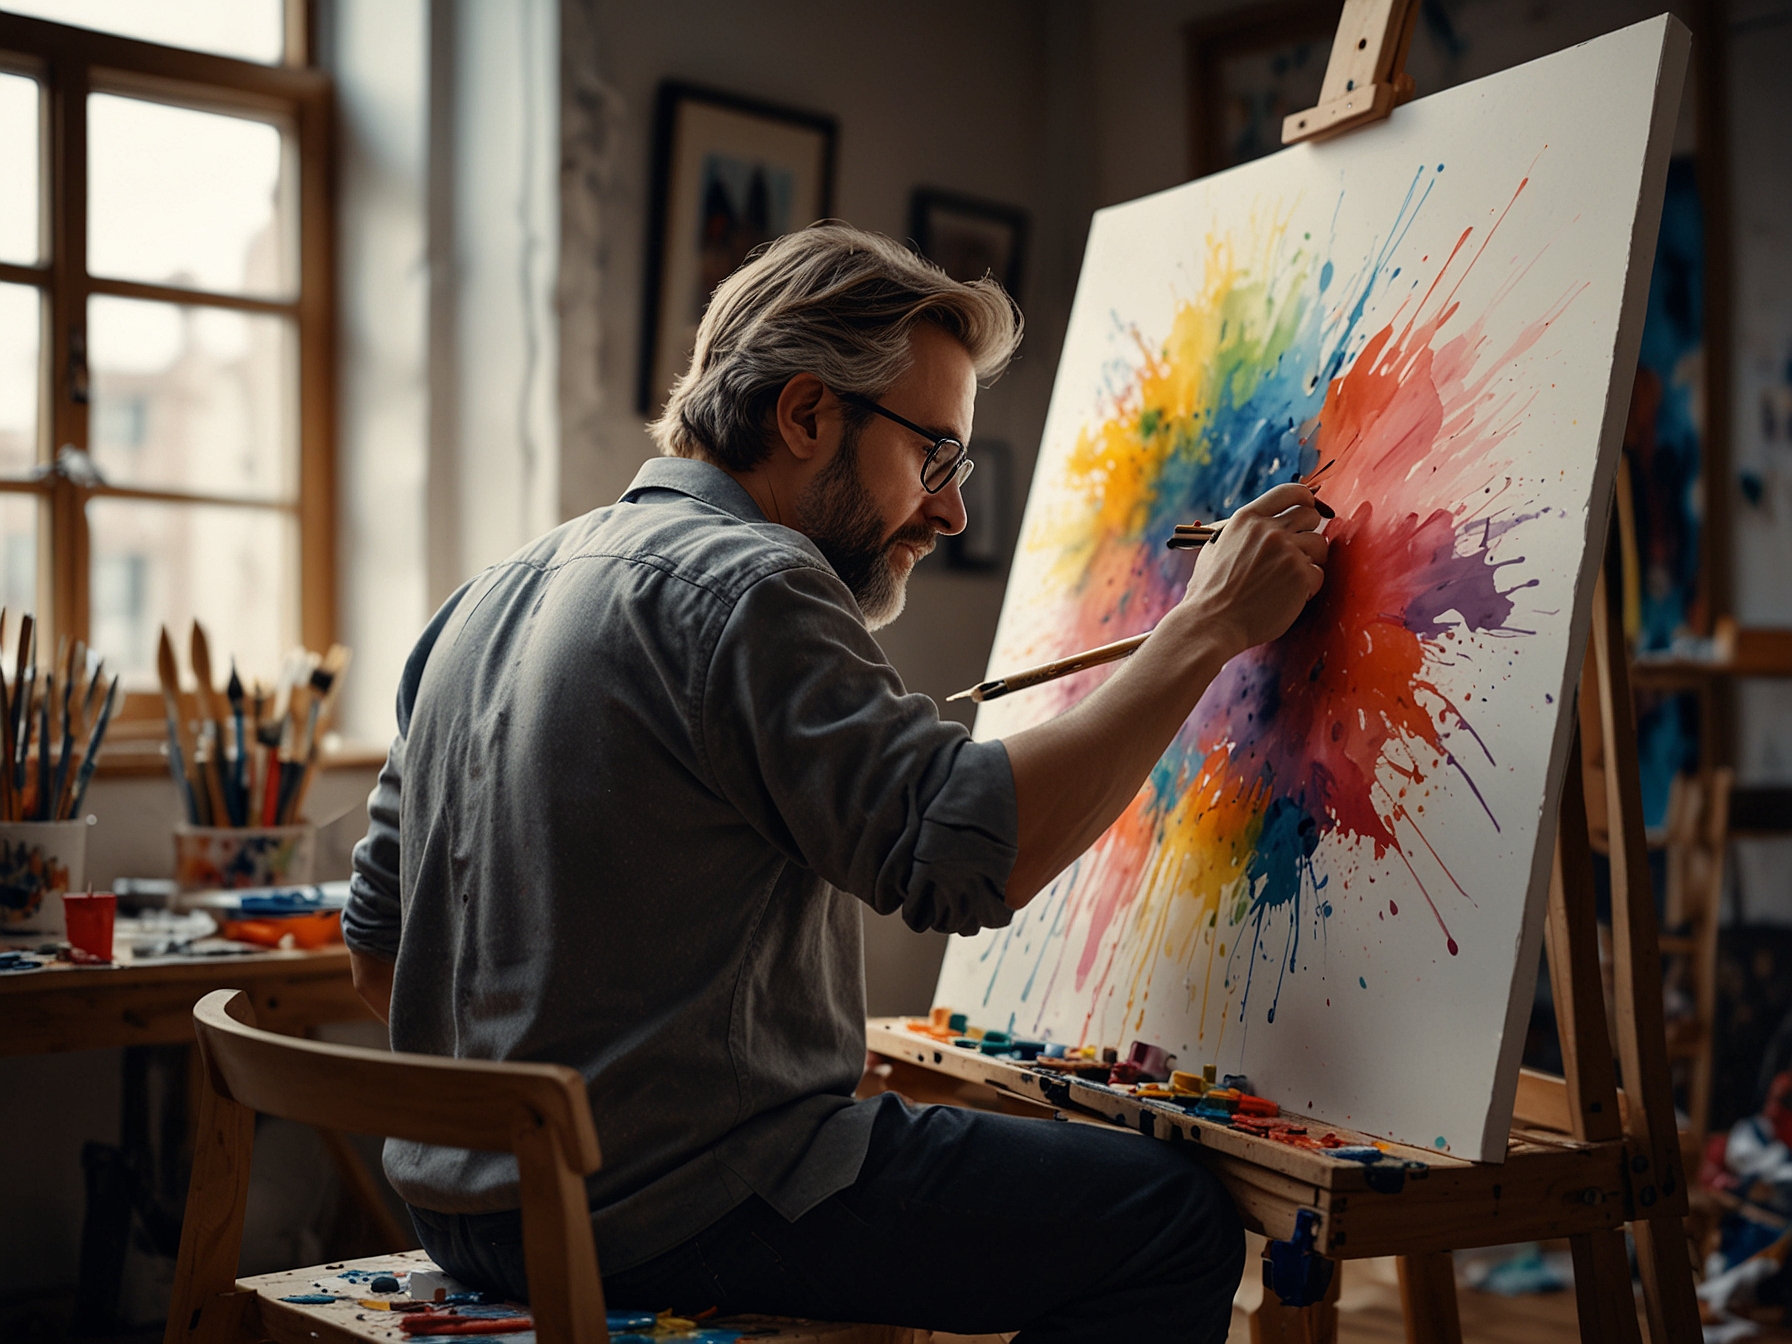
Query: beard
838	514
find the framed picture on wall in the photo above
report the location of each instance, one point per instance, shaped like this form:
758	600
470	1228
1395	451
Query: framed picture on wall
969	238
729	173
1249	69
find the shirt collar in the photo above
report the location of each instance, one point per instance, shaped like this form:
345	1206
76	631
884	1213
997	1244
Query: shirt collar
699	480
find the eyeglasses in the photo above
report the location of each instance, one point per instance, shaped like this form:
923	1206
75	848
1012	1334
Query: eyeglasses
948	461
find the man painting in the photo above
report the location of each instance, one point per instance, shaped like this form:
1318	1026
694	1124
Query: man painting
646	765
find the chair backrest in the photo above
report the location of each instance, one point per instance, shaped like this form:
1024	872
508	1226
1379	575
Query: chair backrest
458	1103
537	1111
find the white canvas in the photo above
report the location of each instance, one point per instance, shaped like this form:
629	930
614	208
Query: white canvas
1336	878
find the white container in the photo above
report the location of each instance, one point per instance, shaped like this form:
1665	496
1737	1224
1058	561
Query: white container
209	857
39	861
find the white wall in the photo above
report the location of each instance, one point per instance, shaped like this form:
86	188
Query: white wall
448	247
379	52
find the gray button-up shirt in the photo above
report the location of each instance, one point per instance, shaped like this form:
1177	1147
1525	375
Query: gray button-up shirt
639	766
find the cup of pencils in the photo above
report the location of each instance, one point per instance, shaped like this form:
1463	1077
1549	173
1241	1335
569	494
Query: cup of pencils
52	722
243	763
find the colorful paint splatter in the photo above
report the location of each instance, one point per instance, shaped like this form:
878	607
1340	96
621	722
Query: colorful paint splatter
1337	733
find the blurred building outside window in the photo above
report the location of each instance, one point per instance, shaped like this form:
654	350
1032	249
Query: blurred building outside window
188	357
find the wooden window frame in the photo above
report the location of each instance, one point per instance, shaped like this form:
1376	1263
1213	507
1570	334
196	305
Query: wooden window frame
69	63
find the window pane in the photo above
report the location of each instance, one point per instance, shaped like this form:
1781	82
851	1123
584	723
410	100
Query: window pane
250	30
190	398
18	558
20	326
185	198
236	569
18	170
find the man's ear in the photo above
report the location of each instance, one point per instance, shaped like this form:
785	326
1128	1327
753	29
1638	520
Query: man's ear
802	417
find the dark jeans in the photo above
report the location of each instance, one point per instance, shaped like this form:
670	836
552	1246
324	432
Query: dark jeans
959	1221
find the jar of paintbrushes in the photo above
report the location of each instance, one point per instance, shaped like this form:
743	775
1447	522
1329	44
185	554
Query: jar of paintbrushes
242	762
53	721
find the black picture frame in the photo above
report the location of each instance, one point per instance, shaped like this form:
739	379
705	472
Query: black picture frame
1249	68
968	237
705	141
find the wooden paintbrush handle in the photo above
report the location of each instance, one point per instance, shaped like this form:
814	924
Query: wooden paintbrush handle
1077	662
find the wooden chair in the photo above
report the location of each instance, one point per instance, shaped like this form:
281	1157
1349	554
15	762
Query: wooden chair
537	1111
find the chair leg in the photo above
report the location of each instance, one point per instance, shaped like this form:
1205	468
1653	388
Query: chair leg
1428	1298
566	1295
205	1307
1273	1323
1602	1291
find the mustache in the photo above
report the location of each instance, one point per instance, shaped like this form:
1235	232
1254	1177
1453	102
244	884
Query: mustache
920	536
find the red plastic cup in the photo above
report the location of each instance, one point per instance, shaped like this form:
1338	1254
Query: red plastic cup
89	917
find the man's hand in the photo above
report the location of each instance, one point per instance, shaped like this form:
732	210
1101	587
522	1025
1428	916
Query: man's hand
1075	774
1265	565
373	982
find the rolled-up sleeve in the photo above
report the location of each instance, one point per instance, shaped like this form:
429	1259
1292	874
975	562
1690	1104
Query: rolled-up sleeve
373	916
807	730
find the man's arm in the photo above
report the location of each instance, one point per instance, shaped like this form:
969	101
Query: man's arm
373	981
372	919
1075	774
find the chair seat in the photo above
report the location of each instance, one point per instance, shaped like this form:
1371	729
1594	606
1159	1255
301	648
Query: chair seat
346	1319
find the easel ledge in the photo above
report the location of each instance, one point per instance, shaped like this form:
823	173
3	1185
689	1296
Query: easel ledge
1551	1185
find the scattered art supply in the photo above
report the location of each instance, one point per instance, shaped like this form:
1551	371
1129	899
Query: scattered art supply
1349	840
246	757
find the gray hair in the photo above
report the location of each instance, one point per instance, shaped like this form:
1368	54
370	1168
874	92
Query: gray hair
833	301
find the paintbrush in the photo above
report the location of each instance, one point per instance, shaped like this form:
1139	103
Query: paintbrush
29	692
20	712
258	763
326	681
91	759
1187	536
6	792
239	791
273	737
40	810
61	780
199	651
1193	536
1063	667
182	755
93	687
298	713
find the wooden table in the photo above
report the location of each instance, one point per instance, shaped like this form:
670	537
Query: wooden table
67	1007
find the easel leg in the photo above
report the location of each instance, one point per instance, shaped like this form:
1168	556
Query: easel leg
1273	1323
1602	1290
1657	1182
1428	1298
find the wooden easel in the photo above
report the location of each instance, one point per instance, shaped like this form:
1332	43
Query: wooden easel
1585	1158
